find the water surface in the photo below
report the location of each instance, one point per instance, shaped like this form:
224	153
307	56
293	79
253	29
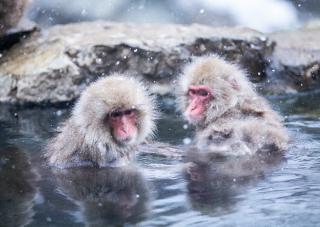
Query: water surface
157	192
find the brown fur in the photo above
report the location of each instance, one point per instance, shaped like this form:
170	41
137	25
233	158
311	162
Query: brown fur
86	140
237	121
11	12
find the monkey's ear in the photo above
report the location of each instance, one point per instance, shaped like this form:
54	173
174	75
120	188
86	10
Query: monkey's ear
235	85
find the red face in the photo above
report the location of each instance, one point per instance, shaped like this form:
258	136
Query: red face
199	96
124	125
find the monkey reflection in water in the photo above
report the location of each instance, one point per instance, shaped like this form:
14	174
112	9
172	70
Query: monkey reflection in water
215	180
18	188
106	196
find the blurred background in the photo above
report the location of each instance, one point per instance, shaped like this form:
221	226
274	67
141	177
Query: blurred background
262	15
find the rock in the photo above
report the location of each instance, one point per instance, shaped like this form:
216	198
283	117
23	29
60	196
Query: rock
11	11
14	37
296	61
54	65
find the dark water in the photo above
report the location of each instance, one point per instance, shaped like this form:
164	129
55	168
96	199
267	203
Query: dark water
158	192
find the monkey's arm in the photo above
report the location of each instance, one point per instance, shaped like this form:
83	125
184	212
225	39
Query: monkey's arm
223	140
65	150
262	136
160	149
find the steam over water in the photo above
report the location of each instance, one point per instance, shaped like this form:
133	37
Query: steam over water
262	15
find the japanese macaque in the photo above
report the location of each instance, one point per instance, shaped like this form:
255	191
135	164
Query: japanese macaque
230	117
11	12
106	196
112	116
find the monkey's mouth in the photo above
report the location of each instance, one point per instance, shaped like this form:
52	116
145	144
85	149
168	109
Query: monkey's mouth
193	118
195	112
122	140
125	139
124	134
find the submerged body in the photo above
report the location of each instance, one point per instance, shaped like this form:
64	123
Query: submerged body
230	117
113	115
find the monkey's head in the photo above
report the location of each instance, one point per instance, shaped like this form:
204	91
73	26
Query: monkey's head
209	87
116	110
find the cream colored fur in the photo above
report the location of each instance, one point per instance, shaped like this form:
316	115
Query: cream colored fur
85	138
238	121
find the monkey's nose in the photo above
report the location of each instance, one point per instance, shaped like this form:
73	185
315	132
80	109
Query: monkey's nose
123	129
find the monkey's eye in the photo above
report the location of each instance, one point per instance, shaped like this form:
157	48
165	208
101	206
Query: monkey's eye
128	112
192	92
203	93
116	114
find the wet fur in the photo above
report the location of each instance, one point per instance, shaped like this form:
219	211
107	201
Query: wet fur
238	121
85	138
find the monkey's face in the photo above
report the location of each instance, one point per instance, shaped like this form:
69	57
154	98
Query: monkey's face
123	124
116	111
208	88
209	99
198	98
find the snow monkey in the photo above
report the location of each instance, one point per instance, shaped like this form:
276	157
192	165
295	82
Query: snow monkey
112	116
230	117
11	12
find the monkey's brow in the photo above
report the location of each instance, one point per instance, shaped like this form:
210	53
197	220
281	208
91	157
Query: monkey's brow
122	111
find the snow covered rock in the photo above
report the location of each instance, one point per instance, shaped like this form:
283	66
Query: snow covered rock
54	65
295	62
